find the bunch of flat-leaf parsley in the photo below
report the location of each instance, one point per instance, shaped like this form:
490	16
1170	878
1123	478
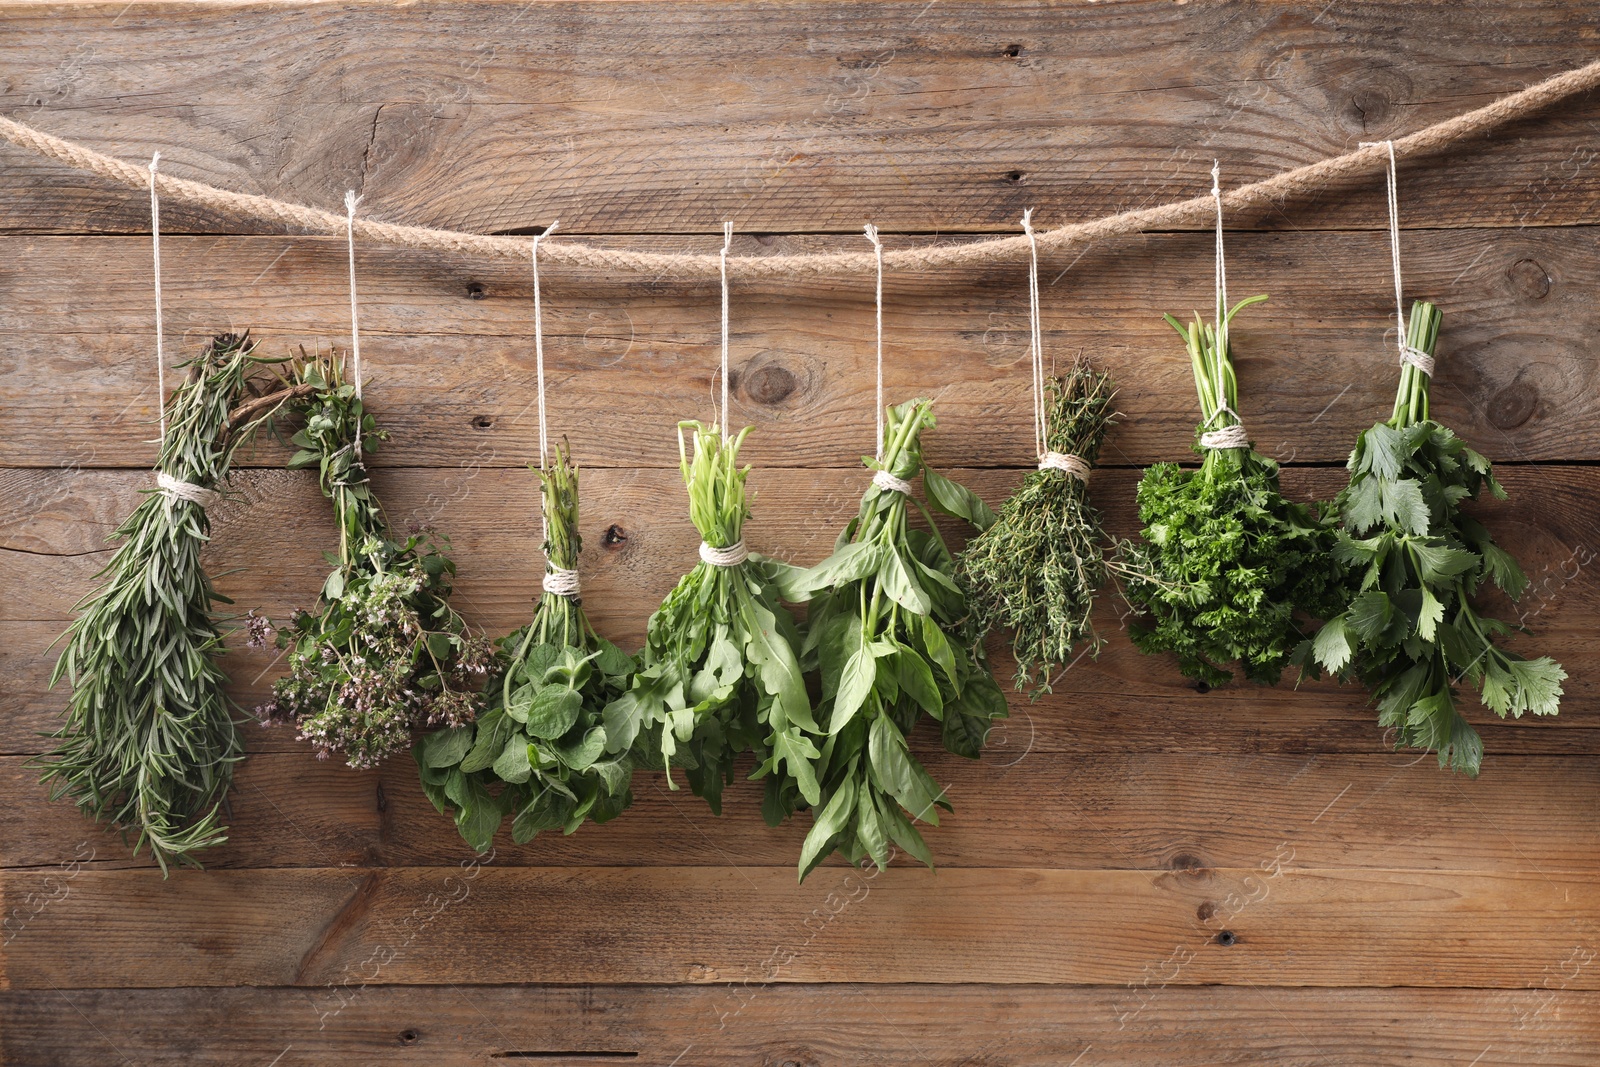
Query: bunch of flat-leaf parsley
1408	629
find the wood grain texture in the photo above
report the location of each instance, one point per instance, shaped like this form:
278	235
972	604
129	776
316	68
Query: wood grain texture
795	117
490	925
449	355
1018	807
779	1025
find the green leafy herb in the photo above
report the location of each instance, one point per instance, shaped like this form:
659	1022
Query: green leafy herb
1228	570
538	753
719	674
1408	629
384	651
890	634
1037	568
149	743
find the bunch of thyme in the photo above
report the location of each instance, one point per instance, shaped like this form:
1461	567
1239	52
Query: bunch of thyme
537	753
149	744
719	674
384	652
1037	568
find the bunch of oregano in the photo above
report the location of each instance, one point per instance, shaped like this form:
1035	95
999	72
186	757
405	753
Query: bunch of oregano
1408	629
1228	570
150	742
538	752
384	651
890	635
719	674
1037	568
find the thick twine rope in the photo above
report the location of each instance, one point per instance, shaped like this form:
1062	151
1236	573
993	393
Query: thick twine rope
1182	213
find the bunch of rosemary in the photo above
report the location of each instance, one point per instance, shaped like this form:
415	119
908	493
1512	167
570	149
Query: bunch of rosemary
1228	569
536	753
149	743
719	674
1037	568
889	632
384	651
1407	627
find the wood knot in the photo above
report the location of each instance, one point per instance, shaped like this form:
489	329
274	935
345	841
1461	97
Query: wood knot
1016	177
1513	405
614	537
783	380
1227	938
483	422
410	1037
1529	279
1187	861
476	291
1370	109
1205	911
770	384
1012	51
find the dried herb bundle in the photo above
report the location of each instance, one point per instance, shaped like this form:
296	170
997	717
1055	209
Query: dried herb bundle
1408	629
538	752
719	674
1036	569
384	651
149	743
888	630
1228	569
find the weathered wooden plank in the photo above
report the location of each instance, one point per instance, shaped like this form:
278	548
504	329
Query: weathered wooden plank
638	540
723	1026
671	118
1265	925
452	377
1016	808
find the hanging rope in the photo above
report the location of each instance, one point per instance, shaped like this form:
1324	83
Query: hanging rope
1183	213
727	242
1415	357
1069	464
877	251
155	255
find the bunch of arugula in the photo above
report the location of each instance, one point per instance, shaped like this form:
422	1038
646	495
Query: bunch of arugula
1037	568
535	754
719	674
889	632
150	743
1228	570
1408	629
384	651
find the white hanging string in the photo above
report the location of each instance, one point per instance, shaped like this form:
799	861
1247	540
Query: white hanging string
350	202
1408	355
538	346
727	242
1069	464
155	254
1226	436
877	250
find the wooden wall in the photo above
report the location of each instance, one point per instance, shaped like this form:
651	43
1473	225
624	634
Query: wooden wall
1137	873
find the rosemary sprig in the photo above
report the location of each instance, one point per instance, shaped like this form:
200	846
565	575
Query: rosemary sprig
538	752
384	651
719	674
149	744
1036	570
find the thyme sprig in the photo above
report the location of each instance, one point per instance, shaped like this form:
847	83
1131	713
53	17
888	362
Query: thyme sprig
1036	570
1408	628
149	744
538	753
383	652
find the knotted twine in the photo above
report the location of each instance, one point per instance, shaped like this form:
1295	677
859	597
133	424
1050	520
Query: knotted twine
1409	356
1225	436
1072	465
557	581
